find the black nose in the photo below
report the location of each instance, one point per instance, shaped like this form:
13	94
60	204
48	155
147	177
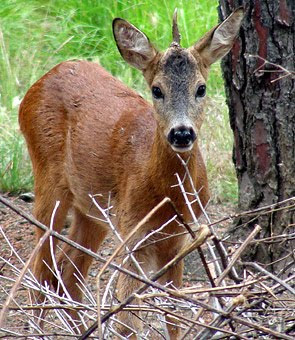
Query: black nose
181	137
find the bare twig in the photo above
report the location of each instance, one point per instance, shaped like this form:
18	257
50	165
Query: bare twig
22	273
265	272
238	253
278	67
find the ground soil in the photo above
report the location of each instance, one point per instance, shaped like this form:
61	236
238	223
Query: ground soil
20	233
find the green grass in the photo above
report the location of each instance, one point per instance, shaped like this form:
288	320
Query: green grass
37	34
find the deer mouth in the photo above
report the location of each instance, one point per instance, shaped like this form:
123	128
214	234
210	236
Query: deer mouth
182	148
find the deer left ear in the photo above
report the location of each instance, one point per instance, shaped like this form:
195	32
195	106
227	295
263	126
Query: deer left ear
217	42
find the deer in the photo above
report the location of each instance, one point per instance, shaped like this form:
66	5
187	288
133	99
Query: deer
88	133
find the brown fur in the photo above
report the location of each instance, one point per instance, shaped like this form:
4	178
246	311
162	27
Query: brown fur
87	133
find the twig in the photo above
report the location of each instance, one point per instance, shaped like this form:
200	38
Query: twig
22	273
166	311
238	253
218	244
62	238
265	272
265	61
202	236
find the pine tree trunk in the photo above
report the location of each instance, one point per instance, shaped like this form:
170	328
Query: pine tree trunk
262	116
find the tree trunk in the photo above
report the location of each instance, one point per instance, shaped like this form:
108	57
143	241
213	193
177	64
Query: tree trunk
262	116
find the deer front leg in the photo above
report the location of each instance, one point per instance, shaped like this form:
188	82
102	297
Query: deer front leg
173	276
125	287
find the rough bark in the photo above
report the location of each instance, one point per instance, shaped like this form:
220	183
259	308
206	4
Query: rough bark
262	117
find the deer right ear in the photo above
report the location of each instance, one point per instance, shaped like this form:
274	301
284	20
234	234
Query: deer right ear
133	45
218	41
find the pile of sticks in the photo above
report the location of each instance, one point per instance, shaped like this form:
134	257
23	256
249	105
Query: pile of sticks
254	304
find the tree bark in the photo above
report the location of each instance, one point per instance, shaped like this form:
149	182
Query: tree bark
262	116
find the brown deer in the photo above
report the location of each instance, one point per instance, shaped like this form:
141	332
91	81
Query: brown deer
87	133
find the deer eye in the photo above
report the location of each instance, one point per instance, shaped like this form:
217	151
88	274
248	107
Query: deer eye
201	91
157	93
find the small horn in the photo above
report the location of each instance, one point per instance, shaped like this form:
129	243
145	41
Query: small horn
175	31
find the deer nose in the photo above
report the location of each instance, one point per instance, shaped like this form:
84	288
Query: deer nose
181	137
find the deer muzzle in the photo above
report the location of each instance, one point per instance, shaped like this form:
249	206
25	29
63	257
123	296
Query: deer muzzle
182	138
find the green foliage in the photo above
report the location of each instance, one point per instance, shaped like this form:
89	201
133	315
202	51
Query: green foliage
37	34
15	172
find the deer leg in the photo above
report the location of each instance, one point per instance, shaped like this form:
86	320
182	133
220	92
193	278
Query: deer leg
125	287
174	276
72	262
45	200
44	206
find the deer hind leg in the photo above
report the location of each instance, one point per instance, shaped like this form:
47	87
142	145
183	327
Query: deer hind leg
45	200
73	263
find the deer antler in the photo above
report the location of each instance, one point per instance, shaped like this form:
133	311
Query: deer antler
175	31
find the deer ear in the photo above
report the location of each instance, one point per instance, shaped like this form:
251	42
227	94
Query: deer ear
217	42
133	45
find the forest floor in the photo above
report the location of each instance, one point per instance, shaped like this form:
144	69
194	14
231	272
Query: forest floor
20	234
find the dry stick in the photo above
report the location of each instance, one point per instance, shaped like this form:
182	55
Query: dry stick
19	279
238	253
177	294
129	236
118	249
191	210
218	244
134	308
166	311
218	301
171	292
148	324
212	309
70	323
206	333
253	304
130	254
225	322
203	234
261	210
192	290
263	329
40	336
77	246
62	238
243	321
89	252
46	292
70	242
144	239
281	68
292	277
271	293
275	278
182	221
85	250
276	238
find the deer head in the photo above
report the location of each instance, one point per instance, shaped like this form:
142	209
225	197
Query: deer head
177	77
